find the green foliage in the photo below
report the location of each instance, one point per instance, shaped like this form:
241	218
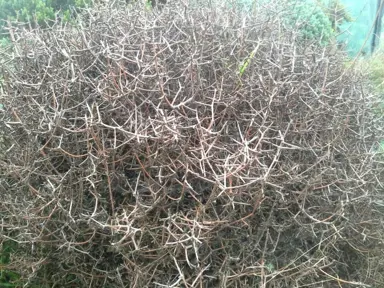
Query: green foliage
376	75
7	278
246	62
374	67
38	11
381	147
318	20
336	12
376	71
148	5
4	42
311	19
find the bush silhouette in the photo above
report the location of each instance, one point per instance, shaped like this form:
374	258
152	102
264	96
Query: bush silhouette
140	151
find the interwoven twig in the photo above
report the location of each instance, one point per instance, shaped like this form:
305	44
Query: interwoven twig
138	155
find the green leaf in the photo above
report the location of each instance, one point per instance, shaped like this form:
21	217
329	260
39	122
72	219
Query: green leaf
381	146
11	276
3	284
245	63
270	267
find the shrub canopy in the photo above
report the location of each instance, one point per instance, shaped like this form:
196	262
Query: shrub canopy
192	147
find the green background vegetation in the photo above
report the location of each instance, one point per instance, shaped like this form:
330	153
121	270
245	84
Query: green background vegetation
41	11
8	278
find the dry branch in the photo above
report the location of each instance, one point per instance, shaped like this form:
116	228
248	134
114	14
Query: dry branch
137	154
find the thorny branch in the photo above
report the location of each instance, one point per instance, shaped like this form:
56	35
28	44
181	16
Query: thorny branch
134	159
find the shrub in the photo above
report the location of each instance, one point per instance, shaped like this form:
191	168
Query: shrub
38	11
373	68
310	20
185	148
315	20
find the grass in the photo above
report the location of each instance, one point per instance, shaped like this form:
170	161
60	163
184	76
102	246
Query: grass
373	67
376	75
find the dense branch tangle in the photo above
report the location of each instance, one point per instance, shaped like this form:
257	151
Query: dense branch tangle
138	154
